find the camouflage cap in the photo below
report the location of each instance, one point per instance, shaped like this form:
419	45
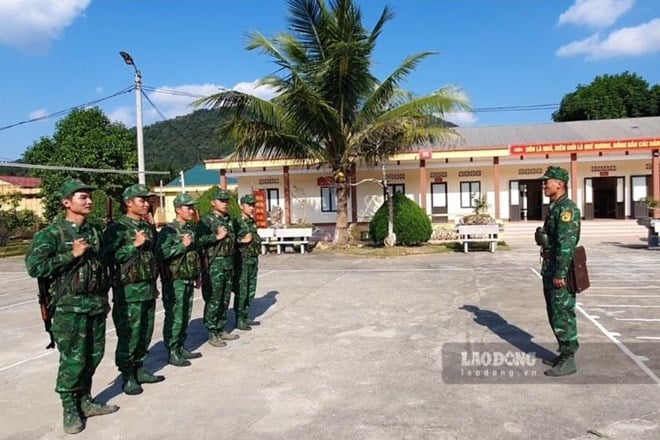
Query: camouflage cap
219	194
137	190
184	200
557	173
249	199
72	186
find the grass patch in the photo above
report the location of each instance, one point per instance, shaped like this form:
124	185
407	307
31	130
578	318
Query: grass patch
370	250
14	248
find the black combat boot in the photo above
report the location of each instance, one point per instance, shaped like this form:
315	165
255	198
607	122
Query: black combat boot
178	360
71	420
91	407
131	385
564	367
187	354
143	376
243	325
253	322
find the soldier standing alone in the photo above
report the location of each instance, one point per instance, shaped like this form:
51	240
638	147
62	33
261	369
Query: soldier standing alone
558	238
68	252
129	249
249	245
215	233
178	254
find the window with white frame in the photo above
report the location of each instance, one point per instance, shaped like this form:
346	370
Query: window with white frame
328	199
469	192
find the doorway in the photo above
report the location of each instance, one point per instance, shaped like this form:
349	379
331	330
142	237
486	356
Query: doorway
604	197
526	198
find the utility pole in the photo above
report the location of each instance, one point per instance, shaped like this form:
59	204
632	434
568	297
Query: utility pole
138	115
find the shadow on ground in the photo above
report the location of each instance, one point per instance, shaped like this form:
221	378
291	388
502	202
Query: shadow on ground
512	334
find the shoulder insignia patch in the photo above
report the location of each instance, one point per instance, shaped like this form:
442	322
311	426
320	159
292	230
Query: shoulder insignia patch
566	216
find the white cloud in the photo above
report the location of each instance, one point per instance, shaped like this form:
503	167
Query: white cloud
39	113
125	115
173	101
263	92
631	41
595	13
461	118
31	25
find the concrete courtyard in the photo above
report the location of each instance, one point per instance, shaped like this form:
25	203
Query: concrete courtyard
375	348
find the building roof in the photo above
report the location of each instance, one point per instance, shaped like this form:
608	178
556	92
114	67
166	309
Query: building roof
493	141
200	176
23	182
574	131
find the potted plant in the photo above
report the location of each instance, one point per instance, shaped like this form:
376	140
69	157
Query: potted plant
653	205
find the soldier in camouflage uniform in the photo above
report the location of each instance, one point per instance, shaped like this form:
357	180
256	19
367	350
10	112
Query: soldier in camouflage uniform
129	251
68	252
558	238
247	263
180	263
216	236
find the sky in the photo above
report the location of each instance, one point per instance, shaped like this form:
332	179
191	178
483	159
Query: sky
60	54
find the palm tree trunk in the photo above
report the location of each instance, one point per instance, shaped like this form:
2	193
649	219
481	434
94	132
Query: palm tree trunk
341	228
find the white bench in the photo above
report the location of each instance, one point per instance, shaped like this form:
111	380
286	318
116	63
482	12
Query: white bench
292	236
267	239
478	233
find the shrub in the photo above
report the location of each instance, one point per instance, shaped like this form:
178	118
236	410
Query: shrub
411	224
204	203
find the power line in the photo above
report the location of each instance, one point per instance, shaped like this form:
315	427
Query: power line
86	170
70	109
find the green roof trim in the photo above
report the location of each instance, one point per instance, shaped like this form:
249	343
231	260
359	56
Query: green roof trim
200	176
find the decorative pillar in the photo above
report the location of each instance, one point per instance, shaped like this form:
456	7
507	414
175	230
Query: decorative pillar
287	195
574	177
496	185
223	179
423	183
353	178
655	168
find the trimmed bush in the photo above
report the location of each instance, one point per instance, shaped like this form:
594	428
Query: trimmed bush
411	224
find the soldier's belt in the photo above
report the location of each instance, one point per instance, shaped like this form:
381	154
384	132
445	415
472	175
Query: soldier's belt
547	254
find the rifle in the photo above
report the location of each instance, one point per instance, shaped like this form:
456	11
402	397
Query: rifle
44	303
112	268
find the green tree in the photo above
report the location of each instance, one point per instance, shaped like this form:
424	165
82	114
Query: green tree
329	107
608	97
84	139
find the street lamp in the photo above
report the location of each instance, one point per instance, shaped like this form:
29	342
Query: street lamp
138	114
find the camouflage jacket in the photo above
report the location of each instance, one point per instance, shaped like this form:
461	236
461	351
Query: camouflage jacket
134	268
247	225
562	225
181	263
77	284
207	230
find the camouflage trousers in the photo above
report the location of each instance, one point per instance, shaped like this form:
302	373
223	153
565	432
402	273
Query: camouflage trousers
135	326
560	305
246	288
217	284
178	303
80	339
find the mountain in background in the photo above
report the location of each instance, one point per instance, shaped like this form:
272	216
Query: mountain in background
180	143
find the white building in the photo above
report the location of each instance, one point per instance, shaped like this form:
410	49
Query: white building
612	163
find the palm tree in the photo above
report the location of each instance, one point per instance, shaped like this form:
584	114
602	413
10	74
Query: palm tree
329	107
